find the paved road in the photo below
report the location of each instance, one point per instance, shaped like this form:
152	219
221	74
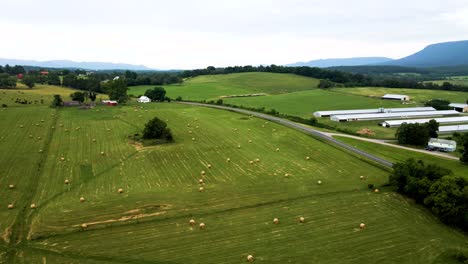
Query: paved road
299	127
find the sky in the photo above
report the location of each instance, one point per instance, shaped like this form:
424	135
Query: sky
182	34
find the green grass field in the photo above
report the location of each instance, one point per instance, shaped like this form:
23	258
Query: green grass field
211	87
148	222
458	80
419	96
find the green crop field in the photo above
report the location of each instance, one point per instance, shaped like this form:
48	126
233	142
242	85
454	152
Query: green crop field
458	80
418	95
149	221
210	87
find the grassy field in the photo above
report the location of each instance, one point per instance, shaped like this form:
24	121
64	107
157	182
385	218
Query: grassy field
458	80
211	87
417	95
399	155
148	222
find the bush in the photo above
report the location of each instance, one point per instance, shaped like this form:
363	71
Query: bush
370	186
157	129
438	104
4	105
178	98
57	102
78	96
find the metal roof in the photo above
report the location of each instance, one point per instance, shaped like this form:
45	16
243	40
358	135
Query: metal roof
458	105
436	141
373	111
443	120
394	115
398	96
449	129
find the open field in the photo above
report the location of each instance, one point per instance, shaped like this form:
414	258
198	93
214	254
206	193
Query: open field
418	95
148	222
211	87
458	80
40	95
399	155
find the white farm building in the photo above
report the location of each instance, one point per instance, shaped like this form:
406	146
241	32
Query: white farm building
398	97
451	129
442	145
372	111
442	120
144	99
459	107
360	117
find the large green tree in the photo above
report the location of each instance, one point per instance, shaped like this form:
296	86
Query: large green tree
156	129
117	90
29	80
413	134
78	96
156	94
7	81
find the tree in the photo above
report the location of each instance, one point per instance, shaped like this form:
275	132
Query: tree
433	128
178	98
57	102
413	134
157	129
464	156
439	104
117	90
7	81
156	94
78	96
29	80
92	96
53	79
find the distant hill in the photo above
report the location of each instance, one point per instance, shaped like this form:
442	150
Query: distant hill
325	63
76	65
436	55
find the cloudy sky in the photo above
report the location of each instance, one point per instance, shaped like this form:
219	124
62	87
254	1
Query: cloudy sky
192	34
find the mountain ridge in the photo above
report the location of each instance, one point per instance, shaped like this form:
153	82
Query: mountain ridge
91	65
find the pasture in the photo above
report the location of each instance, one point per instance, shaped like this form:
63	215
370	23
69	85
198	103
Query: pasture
148	222
211	87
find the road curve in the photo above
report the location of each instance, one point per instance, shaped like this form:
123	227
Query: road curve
299	127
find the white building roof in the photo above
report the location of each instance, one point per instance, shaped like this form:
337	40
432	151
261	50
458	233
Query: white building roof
442	120
450	129
373	111
442	143
394	115
395	96
458	105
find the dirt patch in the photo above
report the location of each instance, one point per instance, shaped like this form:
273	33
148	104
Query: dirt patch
366	132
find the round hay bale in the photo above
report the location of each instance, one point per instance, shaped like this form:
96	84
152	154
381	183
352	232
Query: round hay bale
238	146
250	258
235	129
202	226
120	190
40	151
61	125
376	191
275	221
33	206
10	206
62	159
190	132
301	219
362	226
286	175
192	222
307	158
188	124
251	162
248	129
203	172
277	149
201	189
102	153
21	126
67	181
108	129
193	139
201	181
361	177
257	160
196	127
11	186
84	226
319	182
30	136
250	141
39	138
228	160
82	199
94	140
209	166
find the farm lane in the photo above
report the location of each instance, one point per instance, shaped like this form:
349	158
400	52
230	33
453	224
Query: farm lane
299	127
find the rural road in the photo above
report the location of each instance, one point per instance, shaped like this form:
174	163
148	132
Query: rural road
299	127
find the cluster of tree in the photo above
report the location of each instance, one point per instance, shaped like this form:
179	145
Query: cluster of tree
417	134
157	94
7	81
462	140
439	104
12	70
435	187
82	96
335	78
116	89
151	78
90	83
157	129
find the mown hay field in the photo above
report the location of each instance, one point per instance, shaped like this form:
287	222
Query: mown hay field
148	222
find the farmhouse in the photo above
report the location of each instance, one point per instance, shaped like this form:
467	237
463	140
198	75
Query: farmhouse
459	107
358	117
398	97
144	99
371	111
442	145
443	120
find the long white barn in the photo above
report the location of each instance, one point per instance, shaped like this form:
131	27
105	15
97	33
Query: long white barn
451	129
372	111
345	118
442	120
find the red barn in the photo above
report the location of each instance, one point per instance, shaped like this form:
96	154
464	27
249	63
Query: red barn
44	72
20	76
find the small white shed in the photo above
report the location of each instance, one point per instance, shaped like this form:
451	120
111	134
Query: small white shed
144	99
398	97
442	145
